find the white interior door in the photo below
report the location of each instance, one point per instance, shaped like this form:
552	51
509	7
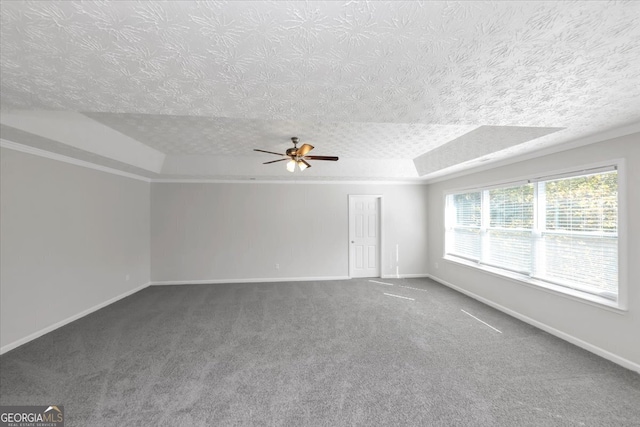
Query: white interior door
364	236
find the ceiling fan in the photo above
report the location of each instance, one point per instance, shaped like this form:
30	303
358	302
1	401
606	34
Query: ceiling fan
297	156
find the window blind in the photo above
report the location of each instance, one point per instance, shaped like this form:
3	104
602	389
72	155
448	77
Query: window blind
510	228
580	232
463	237
563	231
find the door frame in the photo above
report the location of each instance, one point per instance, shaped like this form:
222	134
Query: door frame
380	228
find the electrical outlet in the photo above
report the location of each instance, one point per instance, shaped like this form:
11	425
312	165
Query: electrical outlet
436	265
277	266
126	277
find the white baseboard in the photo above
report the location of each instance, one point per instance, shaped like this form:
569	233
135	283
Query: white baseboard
61	323
404	276
563	335
253	280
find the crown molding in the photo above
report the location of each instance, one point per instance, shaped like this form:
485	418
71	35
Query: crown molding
275	181
66	159
557	148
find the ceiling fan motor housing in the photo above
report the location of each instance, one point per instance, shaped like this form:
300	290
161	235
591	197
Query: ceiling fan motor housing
291	152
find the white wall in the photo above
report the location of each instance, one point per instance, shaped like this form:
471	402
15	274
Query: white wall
69	236
218	232
612	334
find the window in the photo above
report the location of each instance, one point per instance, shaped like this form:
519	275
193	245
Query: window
561	232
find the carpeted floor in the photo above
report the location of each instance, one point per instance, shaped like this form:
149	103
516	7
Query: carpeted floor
314	354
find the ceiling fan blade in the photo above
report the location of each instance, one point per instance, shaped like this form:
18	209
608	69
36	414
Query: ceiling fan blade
273	161
269	152
304	149
332	158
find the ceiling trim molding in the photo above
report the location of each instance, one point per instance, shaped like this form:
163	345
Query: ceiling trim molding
71	160
570	145
66	159
268	181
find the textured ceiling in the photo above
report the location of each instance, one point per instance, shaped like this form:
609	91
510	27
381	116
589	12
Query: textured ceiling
370	80
231	137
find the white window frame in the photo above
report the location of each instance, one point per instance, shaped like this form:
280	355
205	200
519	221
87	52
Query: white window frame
619	306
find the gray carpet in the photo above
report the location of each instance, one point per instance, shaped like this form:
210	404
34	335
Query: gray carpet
314	354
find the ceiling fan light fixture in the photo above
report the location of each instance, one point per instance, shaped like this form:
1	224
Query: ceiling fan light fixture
291	165
302	165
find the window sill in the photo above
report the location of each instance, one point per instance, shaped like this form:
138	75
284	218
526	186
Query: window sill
572	294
